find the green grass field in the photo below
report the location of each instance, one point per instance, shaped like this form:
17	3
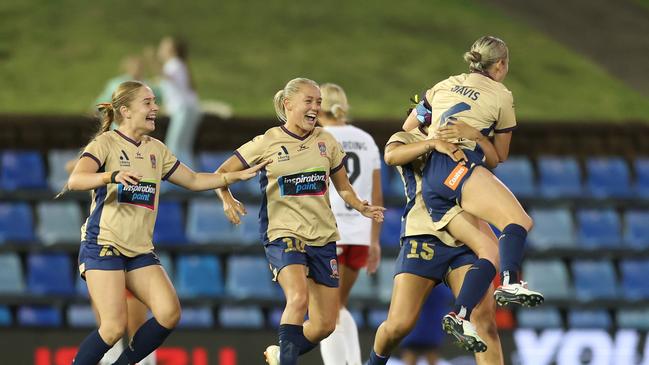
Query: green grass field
56	55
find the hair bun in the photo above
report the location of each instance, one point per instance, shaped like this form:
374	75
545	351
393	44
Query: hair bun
477	57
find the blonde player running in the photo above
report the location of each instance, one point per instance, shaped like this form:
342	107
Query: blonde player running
481	100
124	168
358	246
298	228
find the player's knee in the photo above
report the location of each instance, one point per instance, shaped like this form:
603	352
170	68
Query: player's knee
169	316
112	331
324	329
398	330
297	302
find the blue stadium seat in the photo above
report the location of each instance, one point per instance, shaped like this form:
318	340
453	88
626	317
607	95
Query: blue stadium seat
364	287
375	317
22	170
11	274
16	223
56	160
198	276
608	177
196	317
248	277
210	161
39	316
206	223
58	222
598	318
518	174
594	280
249	317
641	166
357	314
170	224
248	229
274	316
5	316
599	228
633	318
553	228
559	177
391	230
549	277
539	318
385	275
50	274
81	316
634	279
636	229
391	182
167	263
80	287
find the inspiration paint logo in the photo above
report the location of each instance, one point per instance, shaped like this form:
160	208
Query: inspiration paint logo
141	195
305	183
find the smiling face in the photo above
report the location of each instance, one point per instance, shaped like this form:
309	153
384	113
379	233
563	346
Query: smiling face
302	108
139	115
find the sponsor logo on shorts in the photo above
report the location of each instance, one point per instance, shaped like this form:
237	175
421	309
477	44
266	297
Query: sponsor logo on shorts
306	183
334	269
141	195
455	177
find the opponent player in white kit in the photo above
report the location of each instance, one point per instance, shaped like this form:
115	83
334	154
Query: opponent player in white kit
358	246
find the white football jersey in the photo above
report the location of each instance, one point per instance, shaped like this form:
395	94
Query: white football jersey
362	159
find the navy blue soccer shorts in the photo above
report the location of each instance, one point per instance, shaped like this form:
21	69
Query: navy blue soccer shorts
321	261
442	184
428	257
103	257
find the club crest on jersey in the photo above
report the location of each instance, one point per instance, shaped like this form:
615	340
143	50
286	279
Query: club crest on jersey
334	269
153	161
282	155
323	148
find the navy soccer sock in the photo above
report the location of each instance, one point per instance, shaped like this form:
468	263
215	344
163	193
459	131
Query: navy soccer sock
512	248
377	359
475	285
292	343
91	350
147	338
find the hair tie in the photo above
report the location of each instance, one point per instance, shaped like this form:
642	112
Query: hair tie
104	106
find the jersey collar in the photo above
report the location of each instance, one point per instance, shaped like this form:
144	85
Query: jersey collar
137	144
295	135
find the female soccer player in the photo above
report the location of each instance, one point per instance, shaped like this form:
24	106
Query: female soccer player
298	227
429	257
481	100
358	246
124	168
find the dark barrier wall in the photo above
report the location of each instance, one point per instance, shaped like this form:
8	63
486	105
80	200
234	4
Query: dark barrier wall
229	347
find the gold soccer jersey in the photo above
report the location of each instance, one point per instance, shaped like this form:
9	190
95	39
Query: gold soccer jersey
295	185
415	220
475	99
121	216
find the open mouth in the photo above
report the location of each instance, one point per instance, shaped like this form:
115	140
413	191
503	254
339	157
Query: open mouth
150	118
311	118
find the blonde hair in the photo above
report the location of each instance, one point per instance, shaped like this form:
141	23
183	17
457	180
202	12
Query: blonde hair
334	101
291	88
485	52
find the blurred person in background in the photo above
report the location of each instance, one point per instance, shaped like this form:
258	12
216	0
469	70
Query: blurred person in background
124	168
132	67
358	246
429	257
426	336
298	228
180	98
456	193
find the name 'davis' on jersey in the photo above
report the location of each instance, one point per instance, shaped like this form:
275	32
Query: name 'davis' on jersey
312	182
142	194
466	91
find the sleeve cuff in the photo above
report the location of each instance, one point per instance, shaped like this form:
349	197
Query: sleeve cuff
506	130
173	169
340	166
243	160
88	154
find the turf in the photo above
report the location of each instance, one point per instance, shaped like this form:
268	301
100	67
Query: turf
56	55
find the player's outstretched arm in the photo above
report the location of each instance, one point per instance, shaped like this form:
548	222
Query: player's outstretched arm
85	176
347	193
199	181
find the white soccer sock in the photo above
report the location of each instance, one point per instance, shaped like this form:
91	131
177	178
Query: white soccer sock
333	348
149	360
113	354
350	333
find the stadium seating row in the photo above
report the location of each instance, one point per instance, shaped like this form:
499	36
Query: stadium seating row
205	223
554	177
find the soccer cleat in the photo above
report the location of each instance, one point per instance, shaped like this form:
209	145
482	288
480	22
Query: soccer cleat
464	332
272	355
517	293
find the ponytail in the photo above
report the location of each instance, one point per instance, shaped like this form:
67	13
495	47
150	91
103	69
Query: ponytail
278	102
